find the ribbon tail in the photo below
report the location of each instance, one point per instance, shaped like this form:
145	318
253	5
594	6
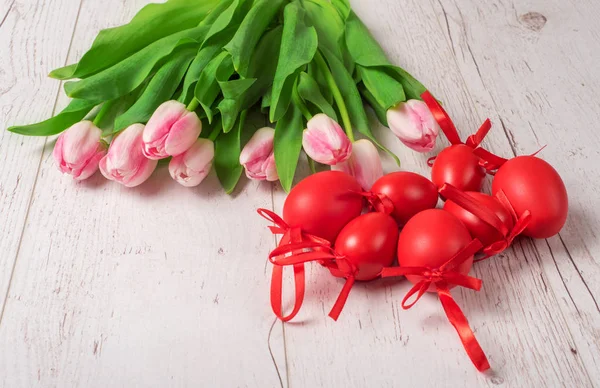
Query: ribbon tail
460	323
277	291
342	298
471	205
442	118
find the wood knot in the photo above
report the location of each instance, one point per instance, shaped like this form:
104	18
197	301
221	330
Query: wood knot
535	21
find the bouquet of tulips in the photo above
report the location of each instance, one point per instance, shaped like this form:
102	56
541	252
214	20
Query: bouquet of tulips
196	81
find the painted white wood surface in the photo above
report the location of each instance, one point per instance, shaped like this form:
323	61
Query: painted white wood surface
165	286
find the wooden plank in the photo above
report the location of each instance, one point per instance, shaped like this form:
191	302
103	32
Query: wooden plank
539	79
154	286
34	37
375	343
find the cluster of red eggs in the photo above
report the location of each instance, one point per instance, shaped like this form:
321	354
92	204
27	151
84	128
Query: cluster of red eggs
323	222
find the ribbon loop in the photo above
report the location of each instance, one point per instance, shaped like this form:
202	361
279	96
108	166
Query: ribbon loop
378	201
292	238
442	278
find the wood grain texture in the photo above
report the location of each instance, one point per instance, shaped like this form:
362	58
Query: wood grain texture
517	317
120	288
165	286
34	37
548	49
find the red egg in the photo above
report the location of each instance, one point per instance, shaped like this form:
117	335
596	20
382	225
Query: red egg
409	192
369	244
459	166
478	228
430	239
323	204
530	183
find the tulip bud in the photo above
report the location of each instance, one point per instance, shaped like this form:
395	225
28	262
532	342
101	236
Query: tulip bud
258	158
325	141
190	168
364	164
171	131
413	123
79	149
125	161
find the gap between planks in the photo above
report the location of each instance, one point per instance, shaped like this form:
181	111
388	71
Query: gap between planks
37	173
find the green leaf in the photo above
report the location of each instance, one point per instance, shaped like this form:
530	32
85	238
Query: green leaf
288	144
367	53
379	111
266	101
241	47
231	14
236	88
413	88
127	75
227	156
262	68
73	113
152	23
311	93
207	88
387	91
202	59
328	23
160	89
105	119
298	47
353	101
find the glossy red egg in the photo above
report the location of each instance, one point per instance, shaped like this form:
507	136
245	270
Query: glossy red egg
459	166
430	239
478	228
530	183
322	204
369	244
409	192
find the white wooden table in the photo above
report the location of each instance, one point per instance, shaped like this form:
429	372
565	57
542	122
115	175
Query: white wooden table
159	286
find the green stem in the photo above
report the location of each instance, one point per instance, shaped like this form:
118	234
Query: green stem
215	132
337	94
311	164
102	113
193	105
299	102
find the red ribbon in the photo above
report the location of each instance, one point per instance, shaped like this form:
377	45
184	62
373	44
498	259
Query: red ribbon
447	125
290	236
489	217
304	252
378	202
443	277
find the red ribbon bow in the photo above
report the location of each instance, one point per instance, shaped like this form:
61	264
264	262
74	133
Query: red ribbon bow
486	215
447	125
304	252
378	202
443	277
290	236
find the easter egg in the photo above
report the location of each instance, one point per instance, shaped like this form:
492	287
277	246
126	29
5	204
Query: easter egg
430	239
530	183
458	166
410	194
322	204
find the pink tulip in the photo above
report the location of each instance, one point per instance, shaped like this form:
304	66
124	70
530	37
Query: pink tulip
125	162
414	125
325	141
258	158
190	168
79	149
364	164
171	131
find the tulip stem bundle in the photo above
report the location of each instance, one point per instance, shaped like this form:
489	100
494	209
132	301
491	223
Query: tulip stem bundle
227	65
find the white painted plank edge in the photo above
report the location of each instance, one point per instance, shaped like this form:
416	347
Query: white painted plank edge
34	37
